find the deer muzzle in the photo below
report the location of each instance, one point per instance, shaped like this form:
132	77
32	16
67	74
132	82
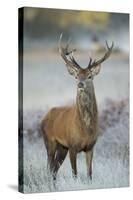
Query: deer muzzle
80	85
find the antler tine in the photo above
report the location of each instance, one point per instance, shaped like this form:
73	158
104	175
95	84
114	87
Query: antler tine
59	44
64	53
73	60
105	57
109	48
67	45
90	62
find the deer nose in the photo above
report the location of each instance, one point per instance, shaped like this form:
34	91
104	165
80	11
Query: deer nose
80	85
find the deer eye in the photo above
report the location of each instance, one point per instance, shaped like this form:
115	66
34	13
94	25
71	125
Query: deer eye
89	77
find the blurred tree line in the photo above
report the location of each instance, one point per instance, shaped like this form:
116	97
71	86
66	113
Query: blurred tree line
43	22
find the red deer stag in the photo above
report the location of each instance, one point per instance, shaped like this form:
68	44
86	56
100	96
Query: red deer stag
74	128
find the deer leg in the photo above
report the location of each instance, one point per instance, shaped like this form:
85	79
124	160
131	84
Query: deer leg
89	156
51	149
73	156
60	156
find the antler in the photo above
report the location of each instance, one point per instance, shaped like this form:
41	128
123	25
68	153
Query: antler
71	62
64	53
105	57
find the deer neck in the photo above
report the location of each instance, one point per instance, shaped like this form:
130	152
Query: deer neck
87	108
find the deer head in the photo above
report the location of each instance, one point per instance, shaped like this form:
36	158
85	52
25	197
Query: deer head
83	75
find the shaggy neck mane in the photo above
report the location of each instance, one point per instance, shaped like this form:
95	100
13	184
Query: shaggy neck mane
87	108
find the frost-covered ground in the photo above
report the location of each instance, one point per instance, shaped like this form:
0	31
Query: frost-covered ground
111	155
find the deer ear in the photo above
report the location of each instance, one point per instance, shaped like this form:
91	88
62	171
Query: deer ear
72	70
95	70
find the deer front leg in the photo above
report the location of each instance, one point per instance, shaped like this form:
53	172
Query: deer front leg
51	149
73	156
89	156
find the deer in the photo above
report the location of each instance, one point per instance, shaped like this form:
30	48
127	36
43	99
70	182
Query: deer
74	128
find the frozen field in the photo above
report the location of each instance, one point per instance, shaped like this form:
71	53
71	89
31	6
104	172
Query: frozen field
47	84
111	154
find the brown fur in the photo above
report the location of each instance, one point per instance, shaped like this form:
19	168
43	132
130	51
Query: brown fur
73	128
